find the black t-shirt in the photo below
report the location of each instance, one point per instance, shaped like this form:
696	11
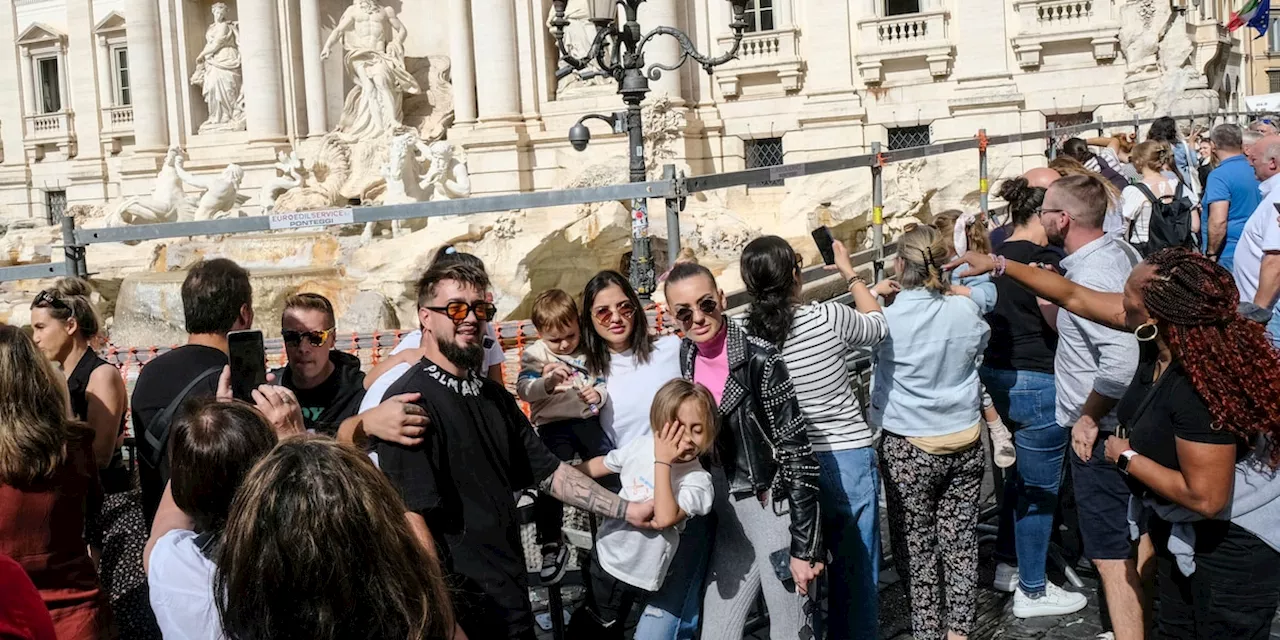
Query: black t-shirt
315	400
1176	410
479	451
115	477
1020	338
160	381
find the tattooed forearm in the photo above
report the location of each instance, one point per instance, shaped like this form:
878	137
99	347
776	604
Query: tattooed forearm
572	487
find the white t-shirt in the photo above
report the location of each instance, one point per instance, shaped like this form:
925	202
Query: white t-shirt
1135	206
632	387
641	557
413	340
181	580
1261	234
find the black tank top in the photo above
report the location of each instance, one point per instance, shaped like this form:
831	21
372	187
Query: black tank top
115	478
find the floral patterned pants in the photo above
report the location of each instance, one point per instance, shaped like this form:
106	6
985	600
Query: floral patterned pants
933	518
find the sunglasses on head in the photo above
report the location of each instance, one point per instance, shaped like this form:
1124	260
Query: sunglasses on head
316	338
707	306
458	311
49	299
624	309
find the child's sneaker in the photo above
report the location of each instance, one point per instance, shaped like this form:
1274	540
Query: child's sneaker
555	559
1002	444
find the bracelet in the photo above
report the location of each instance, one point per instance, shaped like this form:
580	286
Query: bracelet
855	279
1000	265
661	462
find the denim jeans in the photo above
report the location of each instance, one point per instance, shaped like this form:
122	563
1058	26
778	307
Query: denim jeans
674	611
1273	327
849	489
1025	401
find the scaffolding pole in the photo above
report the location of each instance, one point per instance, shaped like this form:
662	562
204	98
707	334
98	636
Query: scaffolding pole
877	210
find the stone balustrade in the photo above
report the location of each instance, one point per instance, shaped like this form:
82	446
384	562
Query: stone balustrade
1051	22
55	129
774	53
917	35
117	120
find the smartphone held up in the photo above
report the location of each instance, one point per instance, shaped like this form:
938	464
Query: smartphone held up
248	363
825	241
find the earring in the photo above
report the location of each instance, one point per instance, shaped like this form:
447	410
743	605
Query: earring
1155	331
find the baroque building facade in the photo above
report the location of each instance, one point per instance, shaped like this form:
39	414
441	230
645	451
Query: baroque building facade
98	91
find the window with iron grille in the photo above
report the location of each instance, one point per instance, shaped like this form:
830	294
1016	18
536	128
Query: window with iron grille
765	152
907	137
55	206
901	7
1273	79
759	15
1064	120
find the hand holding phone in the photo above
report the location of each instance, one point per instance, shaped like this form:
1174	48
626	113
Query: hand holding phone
825	241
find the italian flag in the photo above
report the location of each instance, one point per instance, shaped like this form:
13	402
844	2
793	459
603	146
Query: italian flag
1254	13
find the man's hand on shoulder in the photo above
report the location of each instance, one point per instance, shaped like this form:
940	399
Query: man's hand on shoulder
397	420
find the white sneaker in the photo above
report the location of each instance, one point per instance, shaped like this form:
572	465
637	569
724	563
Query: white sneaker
1056	601
1006	579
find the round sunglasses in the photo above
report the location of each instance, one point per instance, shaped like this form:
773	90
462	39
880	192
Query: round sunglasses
624	309
707	306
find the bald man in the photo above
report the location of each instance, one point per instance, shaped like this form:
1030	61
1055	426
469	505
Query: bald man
1257	254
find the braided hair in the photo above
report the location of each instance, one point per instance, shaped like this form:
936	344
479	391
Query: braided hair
1228	358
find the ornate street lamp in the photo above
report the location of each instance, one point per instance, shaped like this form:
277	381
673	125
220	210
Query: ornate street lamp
619	52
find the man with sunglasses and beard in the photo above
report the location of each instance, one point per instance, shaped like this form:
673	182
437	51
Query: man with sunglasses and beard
328	383
458	485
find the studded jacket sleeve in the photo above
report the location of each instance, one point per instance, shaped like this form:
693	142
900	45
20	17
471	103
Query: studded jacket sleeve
798	470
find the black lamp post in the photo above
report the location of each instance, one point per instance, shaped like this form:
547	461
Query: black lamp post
619	52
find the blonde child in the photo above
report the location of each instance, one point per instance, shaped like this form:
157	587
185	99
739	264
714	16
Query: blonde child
564	404
629	564
967	232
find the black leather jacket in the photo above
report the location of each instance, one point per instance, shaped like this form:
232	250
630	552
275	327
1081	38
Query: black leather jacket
763	444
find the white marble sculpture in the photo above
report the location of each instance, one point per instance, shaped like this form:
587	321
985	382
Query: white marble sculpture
445	178
167	203
290	166
221	192
217	74
373	39
448	178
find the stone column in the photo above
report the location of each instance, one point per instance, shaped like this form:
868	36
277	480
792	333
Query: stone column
664	49
826	30
146	74
313	69
28	83
263	77
106	79
498	88
462	52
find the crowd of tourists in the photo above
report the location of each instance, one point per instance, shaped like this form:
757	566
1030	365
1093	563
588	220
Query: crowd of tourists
1111	336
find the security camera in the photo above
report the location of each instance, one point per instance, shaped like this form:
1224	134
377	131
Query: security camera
579	136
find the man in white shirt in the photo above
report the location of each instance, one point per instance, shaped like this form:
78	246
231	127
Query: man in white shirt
1257	258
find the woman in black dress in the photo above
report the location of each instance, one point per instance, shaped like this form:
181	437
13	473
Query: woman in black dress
64	323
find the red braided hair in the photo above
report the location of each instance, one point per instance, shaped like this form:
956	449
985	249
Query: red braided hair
1228	358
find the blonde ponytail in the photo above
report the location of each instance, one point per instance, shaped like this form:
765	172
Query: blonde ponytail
923	251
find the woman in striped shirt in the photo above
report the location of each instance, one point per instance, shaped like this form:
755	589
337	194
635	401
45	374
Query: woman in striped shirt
816	341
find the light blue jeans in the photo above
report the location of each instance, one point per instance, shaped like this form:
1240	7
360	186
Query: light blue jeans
1025	401
849	493
1273	327
674	611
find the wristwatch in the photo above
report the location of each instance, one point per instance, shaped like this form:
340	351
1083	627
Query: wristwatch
1126	456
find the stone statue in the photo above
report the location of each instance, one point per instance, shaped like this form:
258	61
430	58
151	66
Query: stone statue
579	34
218	74
373	38
168	202
221	193
289	165
448	178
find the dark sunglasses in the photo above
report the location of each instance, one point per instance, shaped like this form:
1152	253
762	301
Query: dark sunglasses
624	309
316	338
458	311
48	299
707	306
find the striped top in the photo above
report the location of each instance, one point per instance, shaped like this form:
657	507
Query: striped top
822	336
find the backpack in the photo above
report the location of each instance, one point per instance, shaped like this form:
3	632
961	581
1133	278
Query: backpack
1170	223
157	431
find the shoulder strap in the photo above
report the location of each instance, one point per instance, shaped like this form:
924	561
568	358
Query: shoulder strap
1146	192
157	431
